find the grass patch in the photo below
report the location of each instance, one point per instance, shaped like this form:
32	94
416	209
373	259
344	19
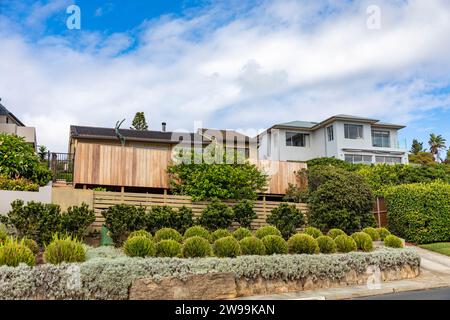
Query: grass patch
439	247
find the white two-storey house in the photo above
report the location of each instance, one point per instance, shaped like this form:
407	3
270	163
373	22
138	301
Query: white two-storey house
349	138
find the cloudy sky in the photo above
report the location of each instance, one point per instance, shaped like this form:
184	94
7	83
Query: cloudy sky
225	63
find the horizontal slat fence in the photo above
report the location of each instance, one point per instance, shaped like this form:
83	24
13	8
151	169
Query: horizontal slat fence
104	200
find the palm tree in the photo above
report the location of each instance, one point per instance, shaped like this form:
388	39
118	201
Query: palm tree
436	142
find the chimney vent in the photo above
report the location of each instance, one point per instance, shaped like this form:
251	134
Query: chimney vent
163	127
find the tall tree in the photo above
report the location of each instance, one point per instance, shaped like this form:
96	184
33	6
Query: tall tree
447	160
42	152
436	142
139	122
416	146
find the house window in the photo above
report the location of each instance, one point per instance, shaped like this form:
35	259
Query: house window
358	158
295	139
381	138
388	160
330	133
353	131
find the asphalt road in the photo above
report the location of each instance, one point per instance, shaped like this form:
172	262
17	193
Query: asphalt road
431	294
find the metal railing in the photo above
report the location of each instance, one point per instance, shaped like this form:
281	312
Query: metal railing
61	165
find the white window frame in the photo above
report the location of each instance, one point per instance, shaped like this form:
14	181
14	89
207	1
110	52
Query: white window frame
330	133
384	132
360	133
306	139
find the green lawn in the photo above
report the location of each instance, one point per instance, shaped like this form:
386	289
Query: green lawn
439	247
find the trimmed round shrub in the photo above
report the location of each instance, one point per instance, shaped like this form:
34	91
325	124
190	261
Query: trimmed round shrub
196	247
252	246
267	231
32	245
142	232
287	218
244	213
139	246
383	232
302	243
64	249
227	247
241	233
12	253
345	244
333	233
220	233
168	248
326	244
372	232
313	232
197	231
168	234
363	241
275	245
217	215
393	241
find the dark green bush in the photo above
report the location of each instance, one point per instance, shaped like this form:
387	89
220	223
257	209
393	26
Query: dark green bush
64	249
326	244
287	218
345	244
267	231
241	233
121	219
419	213
217	215
333	233
76	221
372	232
339	199
383	232
140	233
313	232
393	241
302	243
167	217
197	231
220	233
227	247
252	246
244	213
168	234
168	248
275	244
139	246
32	245
363	241
196	247
12	253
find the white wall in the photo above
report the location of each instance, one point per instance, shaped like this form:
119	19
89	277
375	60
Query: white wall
6	197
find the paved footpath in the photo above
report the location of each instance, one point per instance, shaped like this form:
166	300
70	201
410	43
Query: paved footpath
435	273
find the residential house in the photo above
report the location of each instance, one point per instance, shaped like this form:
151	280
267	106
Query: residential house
9	123
349	138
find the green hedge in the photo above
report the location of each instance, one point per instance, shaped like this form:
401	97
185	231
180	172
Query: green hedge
419	213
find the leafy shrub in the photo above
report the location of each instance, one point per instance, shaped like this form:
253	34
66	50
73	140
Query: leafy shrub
339	199
326	244
302	243
313	232
121	219
275	244
140	233
227	247
372	232
241	233
197	231
383	232
195	247
244	213
393	241
220	233
31	244
167	217
332	162
252	246
139	246
345	244
12	253
217	215
267	231
76	220
333	233
20	184
168	234
64	249
168	248
363	241
3	236
295	194
419	213
287	218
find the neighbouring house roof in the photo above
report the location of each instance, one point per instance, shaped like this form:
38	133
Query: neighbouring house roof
224	134
83	132
5	112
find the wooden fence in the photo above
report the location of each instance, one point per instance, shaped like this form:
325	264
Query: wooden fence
103	200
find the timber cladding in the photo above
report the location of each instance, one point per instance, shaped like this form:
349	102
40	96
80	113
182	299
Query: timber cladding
103	200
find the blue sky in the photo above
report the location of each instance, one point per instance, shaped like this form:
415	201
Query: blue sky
225	64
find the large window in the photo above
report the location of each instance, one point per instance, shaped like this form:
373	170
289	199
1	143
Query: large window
358	158
330	133
353	131
295	139
381	138
388	160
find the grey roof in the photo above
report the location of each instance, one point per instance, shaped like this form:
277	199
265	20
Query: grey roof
299	124
5	112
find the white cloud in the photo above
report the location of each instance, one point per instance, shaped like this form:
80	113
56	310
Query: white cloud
281	61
